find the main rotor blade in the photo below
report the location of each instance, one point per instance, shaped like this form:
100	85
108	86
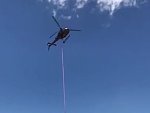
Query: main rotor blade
52	35
56	22
74	30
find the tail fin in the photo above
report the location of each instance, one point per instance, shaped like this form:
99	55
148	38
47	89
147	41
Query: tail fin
48	47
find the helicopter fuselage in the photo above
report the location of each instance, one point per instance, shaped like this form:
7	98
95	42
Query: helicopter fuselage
63	33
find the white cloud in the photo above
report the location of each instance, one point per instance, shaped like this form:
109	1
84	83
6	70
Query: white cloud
59	3
66	17
80	3
54	12
102	5
112	5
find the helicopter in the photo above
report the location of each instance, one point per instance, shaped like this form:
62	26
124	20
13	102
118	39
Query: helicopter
62	34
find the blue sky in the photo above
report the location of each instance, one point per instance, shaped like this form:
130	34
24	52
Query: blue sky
106	65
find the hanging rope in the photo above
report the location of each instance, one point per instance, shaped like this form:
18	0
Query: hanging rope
63	76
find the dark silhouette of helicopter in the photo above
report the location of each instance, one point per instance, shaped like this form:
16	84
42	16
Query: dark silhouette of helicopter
62	34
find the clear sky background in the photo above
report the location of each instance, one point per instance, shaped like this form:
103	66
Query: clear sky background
107	65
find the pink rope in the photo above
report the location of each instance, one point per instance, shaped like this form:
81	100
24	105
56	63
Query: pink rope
63	76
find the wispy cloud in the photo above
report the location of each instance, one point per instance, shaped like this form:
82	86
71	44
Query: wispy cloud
102	5
59	3
80	3
113	5
54	12
66	17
